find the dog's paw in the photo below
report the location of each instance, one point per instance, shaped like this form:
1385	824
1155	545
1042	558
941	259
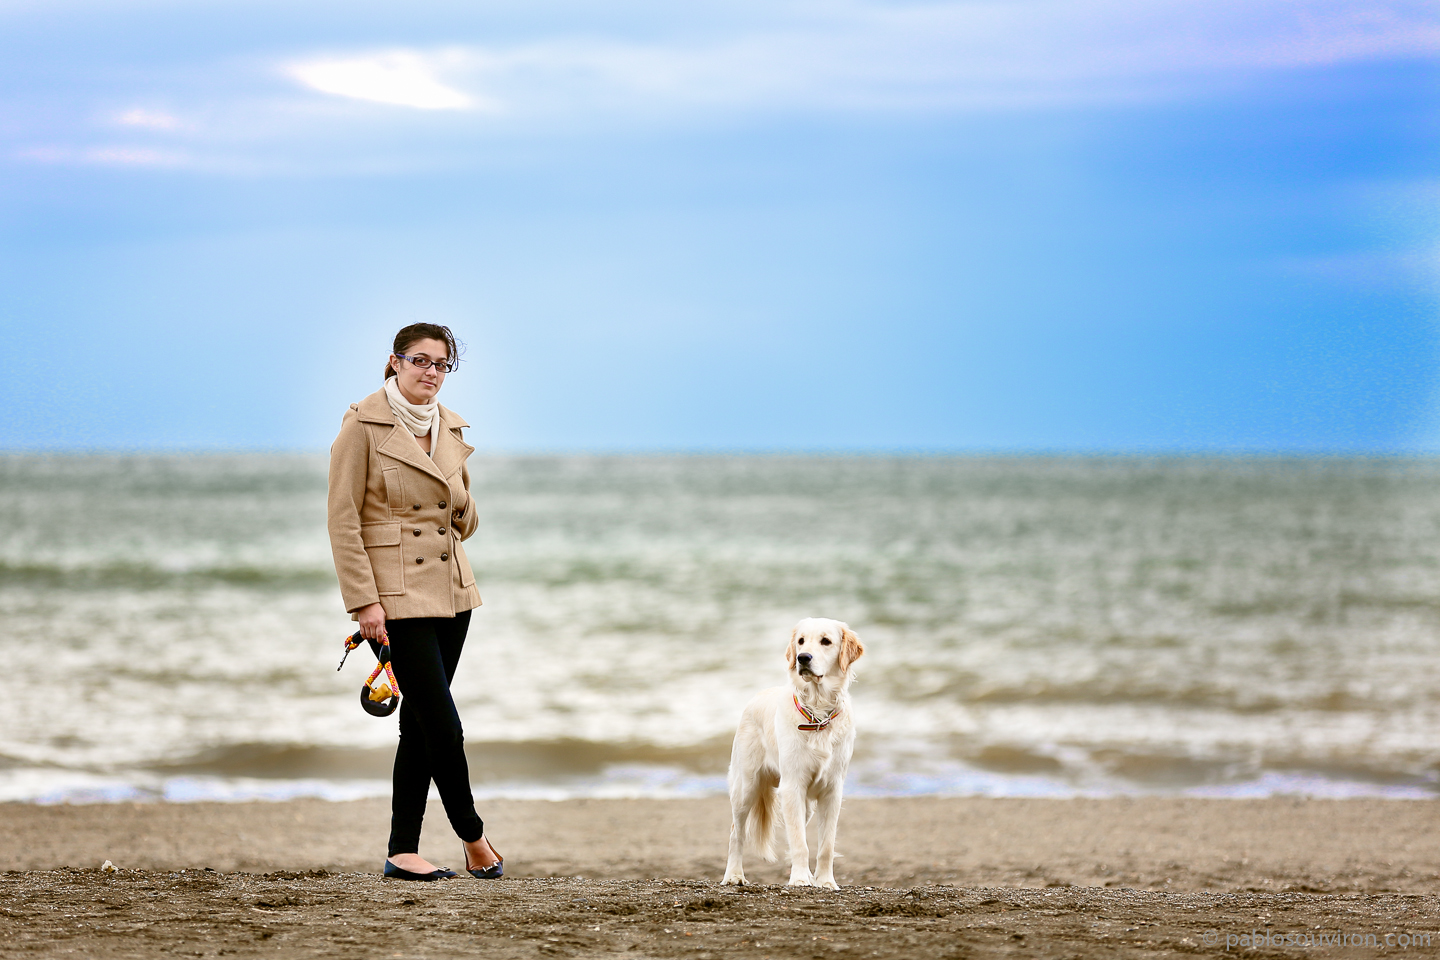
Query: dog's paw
828	883
800	880
733	880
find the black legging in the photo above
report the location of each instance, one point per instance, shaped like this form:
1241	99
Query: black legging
424	652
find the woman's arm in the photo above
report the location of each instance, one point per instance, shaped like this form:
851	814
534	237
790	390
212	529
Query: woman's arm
464	520
349	473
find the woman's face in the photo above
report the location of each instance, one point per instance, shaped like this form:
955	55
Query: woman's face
416	385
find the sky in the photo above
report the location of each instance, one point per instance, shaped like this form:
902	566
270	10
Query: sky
1023	226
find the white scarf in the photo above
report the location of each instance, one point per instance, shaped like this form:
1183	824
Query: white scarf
418	418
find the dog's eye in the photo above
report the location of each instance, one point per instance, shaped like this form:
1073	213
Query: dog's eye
801	643
824	641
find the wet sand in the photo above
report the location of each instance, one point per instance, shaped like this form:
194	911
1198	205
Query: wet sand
921	877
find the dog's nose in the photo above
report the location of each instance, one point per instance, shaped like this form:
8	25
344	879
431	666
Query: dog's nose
804	658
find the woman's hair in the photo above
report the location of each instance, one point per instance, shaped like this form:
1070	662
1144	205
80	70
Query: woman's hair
413	334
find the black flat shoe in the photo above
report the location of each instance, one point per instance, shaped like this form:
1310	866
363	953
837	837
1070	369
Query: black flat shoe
495	871
397	873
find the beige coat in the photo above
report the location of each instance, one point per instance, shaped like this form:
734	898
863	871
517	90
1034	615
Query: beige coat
397	516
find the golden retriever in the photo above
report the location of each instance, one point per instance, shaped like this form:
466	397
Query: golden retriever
791	752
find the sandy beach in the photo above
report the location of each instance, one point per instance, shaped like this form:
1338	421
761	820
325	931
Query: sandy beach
920	876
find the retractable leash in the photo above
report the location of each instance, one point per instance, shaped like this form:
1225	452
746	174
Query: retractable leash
378	701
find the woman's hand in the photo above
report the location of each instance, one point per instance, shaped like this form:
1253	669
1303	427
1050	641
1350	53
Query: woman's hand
372	622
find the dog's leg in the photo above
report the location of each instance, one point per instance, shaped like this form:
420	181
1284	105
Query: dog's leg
739	813
735	866
793	805
829	817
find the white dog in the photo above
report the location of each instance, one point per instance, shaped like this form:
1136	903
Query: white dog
793	746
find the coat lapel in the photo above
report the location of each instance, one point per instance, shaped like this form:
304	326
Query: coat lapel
400	444
450	450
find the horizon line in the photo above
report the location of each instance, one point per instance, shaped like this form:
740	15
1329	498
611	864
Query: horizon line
897	452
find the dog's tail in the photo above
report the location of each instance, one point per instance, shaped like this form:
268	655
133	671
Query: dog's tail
762	825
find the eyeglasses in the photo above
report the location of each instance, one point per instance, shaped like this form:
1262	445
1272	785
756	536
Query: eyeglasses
425	363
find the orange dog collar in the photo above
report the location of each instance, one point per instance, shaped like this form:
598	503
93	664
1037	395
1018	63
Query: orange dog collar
815	722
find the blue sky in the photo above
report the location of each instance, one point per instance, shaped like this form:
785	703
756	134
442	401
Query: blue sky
1027	225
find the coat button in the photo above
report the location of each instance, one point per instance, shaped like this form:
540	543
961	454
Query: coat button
441	504
441	531
417	506
444	556
417	531
419	559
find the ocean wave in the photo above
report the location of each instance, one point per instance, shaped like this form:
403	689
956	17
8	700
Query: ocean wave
1035	626
537	761
149	576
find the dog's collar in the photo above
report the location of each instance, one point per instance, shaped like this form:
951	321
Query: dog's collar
816	721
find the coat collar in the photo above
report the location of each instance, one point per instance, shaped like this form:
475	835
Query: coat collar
450	450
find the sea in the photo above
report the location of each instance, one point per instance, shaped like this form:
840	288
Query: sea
170	625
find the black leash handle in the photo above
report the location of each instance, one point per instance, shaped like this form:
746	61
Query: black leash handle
382	655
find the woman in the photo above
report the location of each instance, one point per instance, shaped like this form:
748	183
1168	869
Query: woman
399	506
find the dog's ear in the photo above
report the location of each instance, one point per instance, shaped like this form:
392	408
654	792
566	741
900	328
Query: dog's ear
790	648
851	649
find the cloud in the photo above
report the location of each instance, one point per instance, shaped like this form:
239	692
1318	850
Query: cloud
682	65
148	119
400	78
946	55
126	156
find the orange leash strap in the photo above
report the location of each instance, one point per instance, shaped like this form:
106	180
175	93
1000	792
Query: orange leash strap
384	705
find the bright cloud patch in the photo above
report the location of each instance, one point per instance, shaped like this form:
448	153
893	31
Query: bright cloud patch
866	55
400	78
149	119
108	156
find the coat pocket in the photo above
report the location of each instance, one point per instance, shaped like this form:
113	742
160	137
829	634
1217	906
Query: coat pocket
382	545
394	489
